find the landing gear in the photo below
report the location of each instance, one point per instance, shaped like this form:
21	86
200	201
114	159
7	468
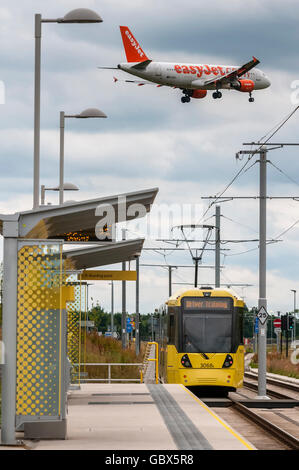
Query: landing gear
251	99
187	95
217	94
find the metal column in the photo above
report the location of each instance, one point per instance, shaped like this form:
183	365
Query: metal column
37	73
10	289
137	326
170	281
217	247
262	302
112	307
61	159
124	313
196	260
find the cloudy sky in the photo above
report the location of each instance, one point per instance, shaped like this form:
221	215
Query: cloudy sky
150	138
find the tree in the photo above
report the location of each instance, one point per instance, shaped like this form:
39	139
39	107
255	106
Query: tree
145	325
248	323
100	318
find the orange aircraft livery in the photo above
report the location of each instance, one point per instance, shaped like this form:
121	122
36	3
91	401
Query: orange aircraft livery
194	80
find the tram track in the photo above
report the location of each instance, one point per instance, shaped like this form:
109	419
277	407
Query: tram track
283	436
271	393
278	384
265	427
272	381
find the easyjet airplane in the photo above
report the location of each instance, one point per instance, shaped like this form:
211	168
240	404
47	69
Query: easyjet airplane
193	79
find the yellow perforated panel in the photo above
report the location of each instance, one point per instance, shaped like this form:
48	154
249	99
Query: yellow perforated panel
74	329
38	330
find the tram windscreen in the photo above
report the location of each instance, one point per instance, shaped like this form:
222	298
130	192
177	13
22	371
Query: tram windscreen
207	327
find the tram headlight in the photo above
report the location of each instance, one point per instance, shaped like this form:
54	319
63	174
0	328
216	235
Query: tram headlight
228	361
185	361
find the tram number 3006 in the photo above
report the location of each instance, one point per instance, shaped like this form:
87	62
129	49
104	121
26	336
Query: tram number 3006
206	365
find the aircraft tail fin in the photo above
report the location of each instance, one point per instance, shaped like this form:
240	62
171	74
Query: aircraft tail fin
134	52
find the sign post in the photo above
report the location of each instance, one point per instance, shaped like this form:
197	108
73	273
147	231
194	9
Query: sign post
262	301
256	332
277	331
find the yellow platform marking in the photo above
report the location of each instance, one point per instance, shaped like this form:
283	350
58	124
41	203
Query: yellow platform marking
228	428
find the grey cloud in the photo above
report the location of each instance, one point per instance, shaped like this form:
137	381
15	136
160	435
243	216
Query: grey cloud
200	158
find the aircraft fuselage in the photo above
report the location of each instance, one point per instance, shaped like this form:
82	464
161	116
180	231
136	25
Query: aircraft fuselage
191	76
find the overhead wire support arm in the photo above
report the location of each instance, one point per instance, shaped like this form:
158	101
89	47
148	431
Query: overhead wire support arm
280	144
227	284
203	266
223	241
231	198
196	259
180	249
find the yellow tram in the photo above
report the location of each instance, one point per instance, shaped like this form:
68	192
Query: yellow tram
201	339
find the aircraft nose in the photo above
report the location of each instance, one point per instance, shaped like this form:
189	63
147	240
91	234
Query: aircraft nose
267	82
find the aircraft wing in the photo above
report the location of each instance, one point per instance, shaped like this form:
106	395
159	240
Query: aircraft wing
137	82
230	76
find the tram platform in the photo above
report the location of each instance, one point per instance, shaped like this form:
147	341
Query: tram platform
142	417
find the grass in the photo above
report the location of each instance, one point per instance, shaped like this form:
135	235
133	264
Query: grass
278	364
105	350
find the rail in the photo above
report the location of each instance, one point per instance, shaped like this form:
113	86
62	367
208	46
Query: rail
272	381
268	426
109	365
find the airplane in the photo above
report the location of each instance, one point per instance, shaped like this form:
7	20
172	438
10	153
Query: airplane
193	79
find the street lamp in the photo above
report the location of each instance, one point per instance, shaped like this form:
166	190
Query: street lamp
79	15
87	113
66	187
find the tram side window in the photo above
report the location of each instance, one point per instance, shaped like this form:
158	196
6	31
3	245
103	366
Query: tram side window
240	317
171	329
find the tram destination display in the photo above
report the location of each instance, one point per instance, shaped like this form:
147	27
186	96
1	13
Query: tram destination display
207	304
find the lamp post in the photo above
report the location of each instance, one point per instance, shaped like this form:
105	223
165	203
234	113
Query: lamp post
87	113
66	187
79	15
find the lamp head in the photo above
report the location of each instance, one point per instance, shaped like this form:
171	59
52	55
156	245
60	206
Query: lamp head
81	15
91	113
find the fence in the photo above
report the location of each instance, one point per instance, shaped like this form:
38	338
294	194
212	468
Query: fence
109	365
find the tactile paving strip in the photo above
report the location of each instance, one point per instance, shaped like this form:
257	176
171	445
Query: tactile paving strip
184	432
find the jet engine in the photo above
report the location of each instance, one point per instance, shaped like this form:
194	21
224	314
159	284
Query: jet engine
246	86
